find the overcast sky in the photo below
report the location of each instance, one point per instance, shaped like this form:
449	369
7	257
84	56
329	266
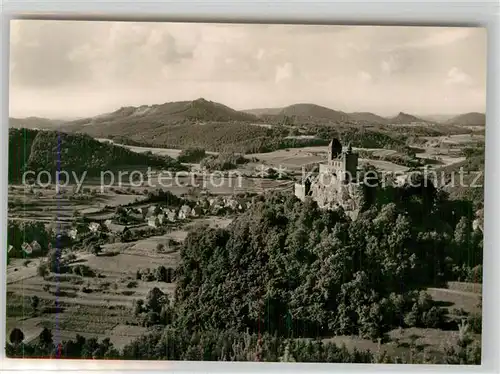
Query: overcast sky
77	68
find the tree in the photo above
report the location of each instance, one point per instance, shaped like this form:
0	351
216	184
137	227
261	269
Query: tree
432	318
411	318
160	247
96	249
42	270
45	338
54	258
154	299
35	301
138	307
152	318
161	274
16	336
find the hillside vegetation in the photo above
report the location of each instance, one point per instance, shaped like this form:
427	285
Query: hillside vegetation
51	151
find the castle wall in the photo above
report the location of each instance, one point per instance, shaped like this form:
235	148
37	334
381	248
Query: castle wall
300	191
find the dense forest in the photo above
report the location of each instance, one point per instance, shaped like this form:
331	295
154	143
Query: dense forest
330	274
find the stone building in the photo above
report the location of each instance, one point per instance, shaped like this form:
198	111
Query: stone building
336	183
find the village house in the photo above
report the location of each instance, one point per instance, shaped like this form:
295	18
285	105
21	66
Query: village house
184	212
36	247
73	233
94	226
26	248
114	227
171	215
231	203
134	214
153	222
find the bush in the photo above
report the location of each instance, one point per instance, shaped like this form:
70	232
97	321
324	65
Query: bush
475	321
433	318
42	270
191	155
411	318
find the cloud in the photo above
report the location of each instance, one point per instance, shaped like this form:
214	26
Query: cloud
456	76
364	76
76	68
284	72
446	36
390	65
46	54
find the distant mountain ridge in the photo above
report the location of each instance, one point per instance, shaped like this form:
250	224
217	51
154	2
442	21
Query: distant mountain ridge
468	119
35	123
308	111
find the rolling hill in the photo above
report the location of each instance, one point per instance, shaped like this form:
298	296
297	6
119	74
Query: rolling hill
301	114
468	119
151	120
35	123
367	117
264	111
404	119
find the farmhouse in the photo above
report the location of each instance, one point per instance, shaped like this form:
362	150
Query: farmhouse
115	228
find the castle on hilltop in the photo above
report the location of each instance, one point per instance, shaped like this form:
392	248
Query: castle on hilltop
336	183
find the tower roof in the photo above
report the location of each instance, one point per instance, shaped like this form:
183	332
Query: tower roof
335	148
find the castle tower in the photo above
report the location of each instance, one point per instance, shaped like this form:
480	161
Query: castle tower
349	164
334	150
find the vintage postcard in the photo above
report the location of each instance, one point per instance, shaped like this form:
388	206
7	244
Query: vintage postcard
245	192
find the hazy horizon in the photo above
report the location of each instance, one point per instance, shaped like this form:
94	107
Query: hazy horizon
67	69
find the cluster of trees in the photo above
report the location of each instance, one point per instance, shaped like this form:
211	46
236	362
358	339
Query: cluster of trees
164	197
223	161
79	348
192	155
159	274
172	343
472	171
156	309
27	232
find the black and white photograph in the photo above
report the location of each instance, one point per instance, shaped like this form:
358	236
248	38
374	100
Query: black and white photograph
245	192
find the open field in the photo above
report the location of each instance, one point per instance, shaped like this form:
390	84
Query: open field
171	152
